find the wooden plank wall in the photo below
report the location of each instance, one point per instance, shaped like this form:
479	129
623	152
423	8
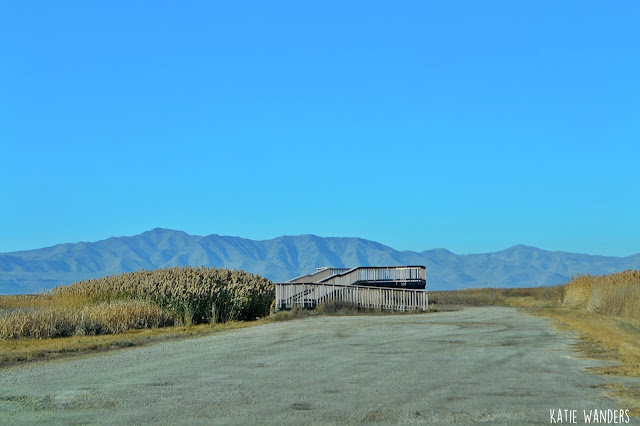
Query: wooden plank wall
289	295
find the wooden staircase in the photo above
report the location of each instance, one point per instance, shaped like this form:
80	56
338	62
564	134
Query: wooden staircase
309	296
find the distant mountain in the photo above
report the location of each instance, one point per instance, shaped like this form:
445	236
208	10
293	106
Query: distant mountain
285	257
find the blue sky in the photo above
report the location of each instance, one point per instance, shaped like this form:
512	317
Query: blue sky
472	126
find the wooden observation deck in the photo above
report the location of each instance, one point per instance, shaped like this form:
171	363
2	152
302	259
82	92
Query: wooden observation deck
398	288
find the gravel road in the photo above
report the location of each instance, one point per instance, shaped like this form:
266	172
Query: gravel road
486	364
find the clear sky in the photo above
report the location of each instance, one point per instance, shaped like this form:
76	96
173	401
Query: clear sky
468	125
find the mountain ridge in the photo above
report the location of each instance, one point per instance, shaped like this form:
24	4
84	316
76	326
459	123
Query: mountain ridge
287	256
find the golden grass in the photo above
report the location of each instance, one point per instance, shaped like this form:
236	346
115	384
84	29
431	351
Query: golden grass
52	316
615	295
104	318
141	299
200	295
39	301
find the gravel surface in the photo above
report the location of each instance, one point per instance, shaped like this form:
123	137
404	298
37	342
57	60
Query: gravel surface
486	364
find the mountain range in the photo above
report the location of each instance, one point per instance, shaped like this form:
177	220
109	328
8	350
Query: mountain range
285	257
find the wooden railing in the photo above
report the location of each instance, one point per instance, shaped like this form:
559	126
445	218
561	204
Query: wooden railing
319	275
289	295
405	274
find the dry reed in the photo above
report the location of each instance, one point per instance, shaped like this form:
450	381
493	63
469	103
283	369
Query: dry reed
195	294
615	295
105	318
142	299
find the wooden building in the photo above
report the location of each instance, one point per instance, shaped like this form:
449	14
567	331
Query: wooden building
398	288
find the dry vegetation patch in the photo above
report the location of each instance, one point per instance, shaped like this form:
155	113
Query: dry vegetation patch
92	319
128	309
135	300
615	295
197	295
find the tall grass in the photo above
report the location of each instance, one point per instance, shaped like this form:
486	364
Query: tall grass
198	295
142	299
104	318
615	295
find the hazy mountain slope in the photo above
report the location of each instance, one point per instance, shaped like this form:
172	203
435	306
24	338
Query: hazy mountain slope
288	256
